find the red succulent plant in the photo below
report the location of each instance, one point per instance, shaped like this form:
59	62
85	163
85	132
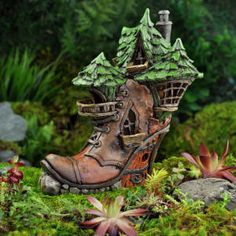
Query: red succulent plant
110	219
210	164
13	175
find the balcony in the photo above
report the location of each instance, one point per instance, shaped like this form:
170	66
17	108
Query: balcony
132	140
170	93
133	69
98	110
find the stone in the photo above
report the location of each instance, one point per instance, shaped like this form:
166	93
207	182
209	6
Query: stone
65	186
12	127
26	163
75	190
117	185
49	185
84	190
64	191
6	155
210	190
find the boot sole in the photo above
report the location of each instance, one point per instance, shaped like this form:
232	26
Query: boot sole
108	184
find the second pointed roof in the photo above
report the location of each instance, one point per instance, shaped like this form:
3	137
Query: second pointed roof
175	64
99	73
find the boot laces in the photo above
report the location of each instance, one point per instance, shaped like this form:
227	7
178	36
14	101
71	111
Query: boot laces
98	130
94	140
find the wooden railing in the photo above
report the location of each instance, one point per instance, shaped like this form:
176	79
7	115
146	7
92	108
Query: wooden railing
97	110
170	93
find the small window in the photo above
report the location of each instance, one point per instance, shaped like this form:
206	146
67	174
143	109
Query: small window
139	56
129	126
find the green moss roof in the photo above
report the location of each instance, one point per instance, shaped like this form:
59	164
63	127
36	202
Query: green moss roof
99	73
175	64
154	44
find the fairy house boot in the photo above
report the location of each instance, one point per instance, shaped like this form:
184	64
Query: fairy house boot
133	103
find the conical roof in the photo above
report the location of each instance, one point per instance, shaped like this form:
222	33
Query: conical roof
99	73
174	65
153	42
165	62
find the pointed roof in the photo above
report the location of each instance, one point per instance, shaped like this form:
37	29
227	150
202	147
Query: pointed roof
166	62
99	73
174	65
153	42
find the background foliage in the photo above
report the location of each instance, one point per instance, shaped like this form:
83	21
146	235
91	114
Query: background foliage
44	44
81	29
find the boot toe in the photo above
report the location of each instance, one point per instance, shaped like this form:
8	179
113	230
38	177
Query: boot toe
62	168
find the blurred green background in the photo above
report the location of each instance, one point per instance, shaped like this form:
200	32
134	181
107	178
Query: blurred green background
44	44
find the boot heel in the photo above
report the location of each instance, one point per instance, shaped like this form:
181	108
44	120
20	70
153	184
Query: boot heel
137	170
142	163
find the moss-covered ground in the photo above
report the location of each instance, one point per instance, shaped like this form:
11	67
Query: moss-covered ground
31	212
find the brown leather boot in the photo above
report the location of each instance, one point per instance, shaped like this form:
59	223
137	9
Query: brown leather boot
134	100
121	147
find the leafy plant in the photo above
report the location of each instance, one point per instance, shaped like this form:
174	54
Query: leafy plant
155	203
110	218
153	181
180	171
21	79
38	139
210	165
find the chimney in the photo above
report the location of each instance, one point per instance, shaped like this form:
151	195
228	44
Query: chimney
164	25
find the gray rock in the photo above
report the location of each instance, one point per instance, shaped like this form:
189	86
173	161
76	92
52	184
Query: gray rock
12	127
26	163
9	154
49	185
64	191
75	190
117	185
210	190
6	155
84	190
65	186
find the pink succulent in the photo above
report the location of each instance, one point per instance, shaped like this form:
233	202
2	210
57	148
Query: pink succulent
210	165
110	219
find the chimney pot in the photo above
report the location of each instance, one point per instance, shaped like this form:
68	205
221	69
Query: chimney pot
164	25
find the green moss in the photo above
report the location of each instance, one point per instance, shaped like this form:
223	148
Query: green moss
4	145
35	213
27	109
55	215
212	126
172	162
64	103
54	228
188	220
70	142
31	177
